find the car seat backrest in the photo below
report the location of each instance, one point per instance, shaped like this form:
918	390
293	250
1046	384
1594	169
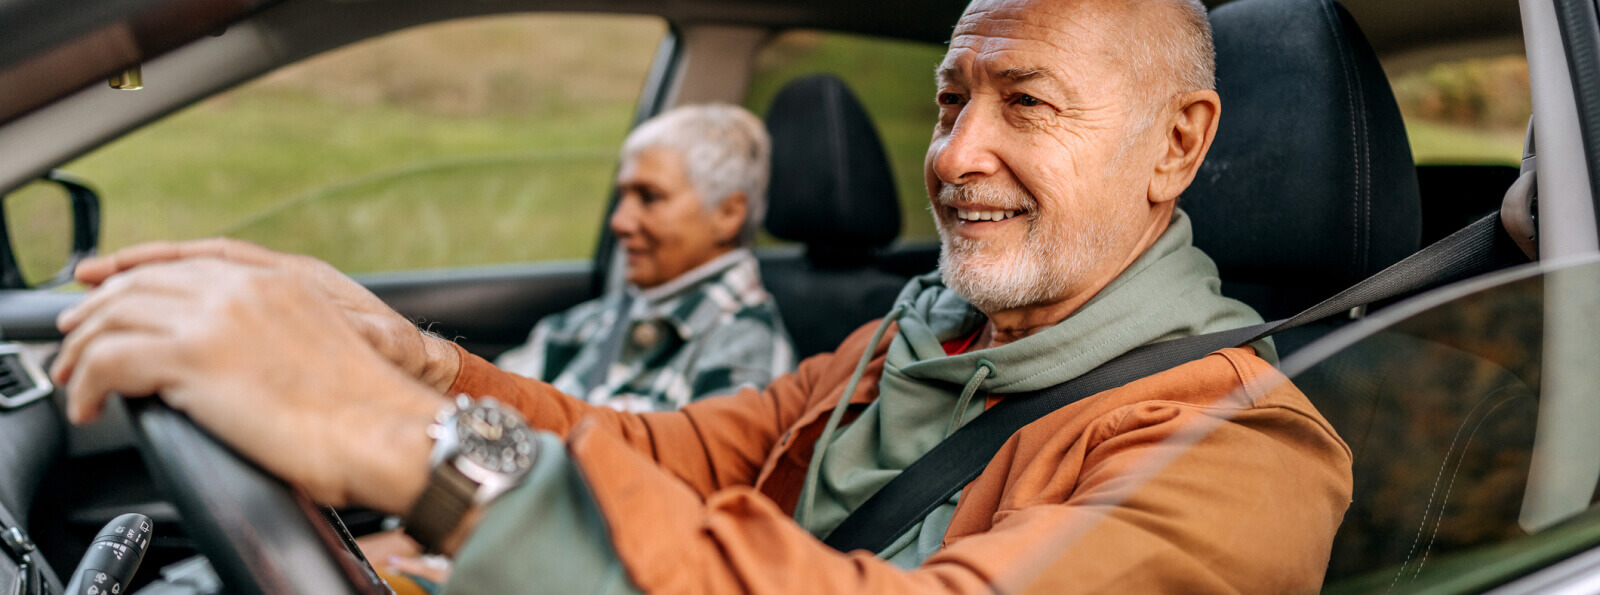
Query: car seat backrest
832	188
832	191
1309	186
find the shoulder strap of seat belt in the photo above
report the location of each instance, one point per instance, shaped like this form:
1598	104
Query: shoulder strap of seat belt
952	464
611	349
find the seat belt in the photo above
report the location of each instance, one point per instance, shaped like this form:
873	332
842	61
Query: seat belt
931	480
610	350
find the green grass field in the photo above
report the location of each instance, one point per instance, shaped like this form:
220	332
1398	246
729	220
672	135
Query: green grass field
485	141
1433	142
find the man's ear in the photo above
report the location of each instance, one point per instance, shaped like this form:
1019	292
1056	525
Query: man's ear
727	220
1184	145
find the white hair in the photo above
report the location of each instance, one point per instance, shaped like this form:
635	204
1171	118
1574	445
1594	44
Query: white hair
725	149
1177	56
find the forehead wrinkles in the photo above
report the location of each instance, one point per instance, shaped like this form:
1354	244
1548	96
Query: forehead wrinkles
1027	35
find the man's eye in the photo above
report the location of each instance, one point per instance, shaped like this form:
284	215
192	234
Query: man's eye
1026	100
949	99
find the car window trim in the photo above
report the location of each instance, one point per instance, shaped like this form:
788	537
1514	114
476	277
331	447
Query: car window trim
652	99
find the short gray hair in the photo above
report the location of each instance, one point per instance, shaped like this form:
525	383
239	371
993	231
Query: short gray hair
1181	54
725	149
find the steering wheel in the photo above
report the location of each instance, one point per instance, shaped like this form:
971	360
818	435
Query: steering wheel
260	535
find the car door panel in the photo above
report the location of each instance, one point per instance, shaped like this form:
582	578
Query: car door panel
487	310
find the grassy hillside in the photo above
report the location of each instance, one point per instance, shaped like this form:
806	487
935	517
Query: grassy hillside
474	142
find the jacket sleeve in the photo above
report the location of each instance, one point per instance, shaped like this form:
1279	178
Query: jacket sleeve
1169	498
710	444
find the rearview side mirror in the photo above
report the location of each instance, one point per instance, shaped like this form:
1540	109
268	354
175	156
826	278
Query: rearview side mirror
46	228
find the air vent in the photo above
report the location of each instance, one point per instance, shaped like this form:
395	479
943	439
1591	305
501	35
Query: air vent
21	382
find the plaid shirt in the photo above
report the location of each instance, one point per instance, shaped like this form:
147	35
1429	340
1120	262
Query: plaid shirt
710	331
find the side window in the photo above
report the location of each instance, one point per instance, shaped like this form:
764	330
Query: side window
485	140
1466	112
893	78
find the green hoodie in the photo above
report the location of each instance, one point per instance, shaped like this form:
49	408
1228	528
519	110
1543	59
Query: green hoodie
1169	292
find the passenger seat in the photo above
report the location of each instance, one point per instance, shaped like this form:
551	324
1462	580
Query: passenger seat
833	192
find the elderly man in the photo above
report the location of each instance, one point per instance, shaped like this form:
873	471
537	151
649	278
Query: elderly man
694	320
1067	130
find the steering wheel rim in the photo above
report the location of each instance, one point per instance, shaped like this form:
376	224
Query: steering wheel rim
257	532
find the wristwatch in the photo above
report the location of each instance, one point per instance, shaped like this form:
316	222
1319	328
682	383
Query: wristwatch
481	449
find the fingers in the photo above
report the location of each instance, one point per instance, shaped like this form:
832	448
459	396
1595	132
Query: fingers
70	318
113	364
131	314
433	568
94	271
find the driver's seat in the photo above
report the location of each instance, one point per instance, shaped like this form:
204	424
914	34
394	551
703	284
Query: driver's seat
1309	186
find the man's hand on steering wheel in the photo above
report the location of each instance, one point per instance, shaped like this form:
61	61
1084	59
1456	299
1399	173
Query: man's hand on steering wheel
265	362
431	359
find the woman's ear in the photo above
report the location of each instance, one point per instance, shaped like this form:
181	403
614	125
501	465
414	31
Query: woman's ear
729	217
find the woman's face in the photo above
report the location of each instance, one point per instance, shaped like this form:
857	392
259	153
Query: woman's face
661	223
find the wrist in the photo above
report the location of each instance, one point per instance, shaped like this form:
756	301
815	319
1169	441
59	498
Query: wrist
393	466
480	451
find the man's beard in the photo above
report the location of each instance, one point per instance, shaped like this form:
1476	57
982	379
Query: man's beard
1040	269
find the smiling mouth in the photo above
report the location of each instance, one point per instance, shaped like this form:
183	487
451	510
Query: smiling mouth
990	215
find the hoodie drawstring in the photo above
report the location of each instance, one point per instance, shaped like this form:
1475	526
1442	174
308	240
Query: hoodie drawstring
808	495
978	376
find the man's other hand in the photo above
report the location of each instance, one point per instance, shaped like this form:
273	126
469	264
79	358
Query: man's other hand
266	363
431	359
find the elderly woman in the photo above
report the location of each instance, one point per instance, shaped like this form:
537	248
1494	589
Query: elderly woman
694	320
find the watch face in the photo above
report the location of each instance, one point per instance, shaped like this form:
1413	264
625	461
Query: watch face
495	439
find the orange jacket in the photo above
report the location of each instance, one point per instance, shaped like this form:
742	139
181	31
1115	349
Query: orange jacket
1215	476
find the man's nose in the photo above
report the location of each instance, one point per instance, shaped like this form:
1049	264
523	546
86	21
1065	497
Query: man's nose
968	151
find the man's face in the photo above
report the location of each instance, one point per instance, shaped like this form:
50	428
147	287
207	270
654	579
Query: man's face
1035	181
662	225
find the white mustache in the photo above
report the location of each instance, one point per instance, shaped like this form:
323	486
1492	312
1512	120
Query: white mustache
988	195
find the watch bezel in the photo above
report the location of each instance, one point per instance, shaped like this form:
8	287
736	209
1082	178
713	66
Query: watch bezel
452	448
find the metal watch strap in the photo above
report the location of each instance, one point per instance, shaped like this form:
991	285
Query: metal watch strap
444	502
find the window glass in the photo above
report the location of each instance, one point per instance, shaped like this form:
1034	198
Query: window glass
1471	427
893	79
477	141
1472	111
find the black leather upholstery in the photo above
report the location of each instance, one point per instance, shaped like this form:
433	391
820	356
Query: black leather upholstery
831	188
1310	185
832	191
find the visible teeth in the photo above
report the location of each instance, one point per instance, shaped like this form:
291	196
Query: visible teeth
985	215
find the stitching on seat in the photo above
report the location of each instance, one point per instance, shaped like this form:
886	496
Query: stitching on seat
1438	519
1427	509
832	99
1331	21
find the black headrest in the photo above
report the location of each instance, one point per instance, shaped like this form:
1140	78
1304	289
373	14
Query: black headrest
831	184
1310	177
